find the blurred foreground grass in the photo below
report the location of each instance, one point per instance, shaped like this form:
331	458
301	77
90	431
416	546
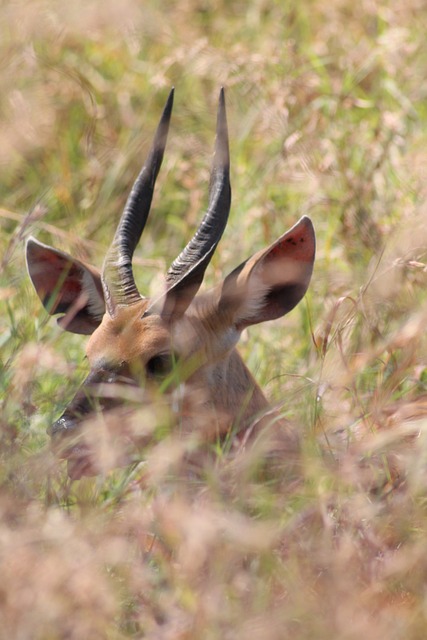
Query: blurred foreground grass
327	115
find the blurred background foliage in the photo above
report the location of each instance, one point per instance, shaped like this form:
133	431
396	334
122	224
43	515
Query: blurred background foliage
327	116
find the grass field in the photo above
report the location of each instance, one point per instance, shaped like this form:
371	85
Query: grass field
327	109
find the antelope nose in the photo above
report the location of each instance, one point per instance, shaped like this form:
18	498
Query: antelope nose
64	425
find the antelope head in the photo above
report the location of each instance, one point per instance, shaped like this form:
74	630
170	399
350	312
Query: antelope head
136	341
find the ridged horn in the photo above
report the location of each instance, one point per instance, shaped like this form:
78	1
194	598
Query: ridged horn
187	270
117	275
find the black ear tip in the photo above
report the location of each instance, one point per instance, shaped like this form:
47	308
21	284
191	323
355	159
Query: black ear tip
33	247
308	224
29	243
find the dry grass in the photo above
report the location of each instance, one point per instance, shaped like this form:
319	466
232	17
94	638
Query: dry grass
327	111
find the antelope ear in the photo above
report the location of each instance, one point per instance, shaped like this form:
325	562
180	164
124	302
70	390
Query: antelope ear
273	281
66	285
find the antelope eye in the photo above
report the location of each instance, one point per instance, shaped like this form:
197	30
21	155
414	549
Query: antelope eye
160	365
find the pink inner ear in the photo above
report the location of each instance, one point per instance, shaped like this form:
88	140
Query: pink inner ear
298	244
52	273
66	285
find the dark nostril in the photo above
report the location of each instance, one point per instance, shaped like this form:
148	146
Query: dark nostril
62	426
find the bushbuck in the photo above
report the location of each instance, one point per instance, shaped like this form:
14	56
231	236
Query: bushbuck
137	342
